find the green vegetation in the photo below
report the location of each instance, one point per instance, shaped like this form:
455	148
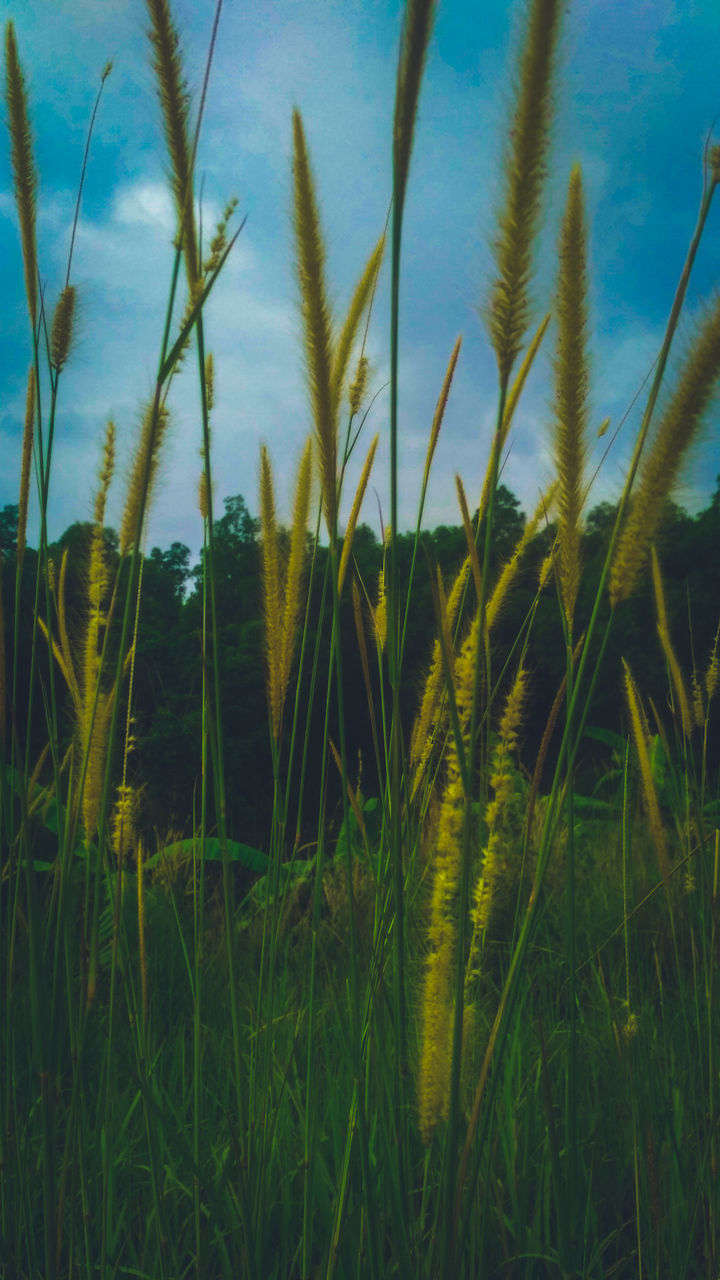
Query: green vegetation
400	961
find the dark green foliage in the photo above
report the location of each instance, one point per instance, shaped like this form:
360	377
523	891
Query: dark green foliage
168	672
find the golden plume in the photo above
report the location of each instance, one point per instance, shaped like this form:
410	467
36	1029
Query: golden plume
525	168
24	173
571	389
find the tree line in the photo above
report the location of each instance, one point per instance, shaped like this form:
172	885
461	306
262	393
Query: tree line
168	674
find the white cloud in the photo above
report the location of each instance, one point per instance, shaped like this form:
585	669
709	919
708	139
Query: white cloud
147	204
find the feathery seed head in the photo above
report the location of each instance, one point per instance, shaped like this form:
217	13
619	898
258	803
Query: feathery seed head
510	569
210	380
358	385
175	103
512	715
494	862
24	172
436	1032
271	590
361	299
416	30
124	826
571	388
380	611
317	336
203	496
675	434
545	570
62	327
295	566
219	240
525	168
440	408
427	716
676	675
380	614
355	512
106	472
153	427
282	590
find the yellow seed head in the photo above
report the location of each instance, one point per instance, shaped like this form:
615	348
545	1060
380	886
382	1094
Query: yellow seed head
380	615
361	298
510	569
203	496
436	1027
437	1004
106	472
62	327
210	380
525	167
571	389
24	173
317	336
664	634
417	27
124	822
355	512
152	433
427	717
175	104
295	566
494	862
282	590
676	432
358	385
545	570
218	243
272	607
440	408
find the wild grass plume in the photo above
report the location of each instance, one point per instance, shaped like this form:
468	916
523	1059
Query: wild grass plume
175	103
317	335
23	163
571	388
153	427
282	582
525	169
675	434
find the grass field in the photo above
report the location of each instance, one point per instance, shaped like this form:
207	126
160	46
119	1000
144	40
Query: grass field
477	1034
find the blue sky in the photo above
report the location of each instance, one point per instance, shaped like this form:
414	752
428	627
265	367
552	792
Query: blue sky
638	92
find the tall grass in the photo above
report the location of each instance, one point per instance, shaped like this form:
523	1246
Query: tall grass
475	1034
